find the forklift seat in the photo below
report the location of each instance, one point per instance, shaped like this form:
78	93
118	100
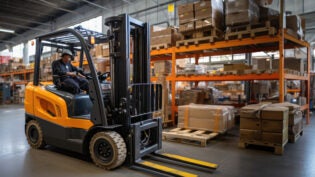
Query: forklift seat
79	105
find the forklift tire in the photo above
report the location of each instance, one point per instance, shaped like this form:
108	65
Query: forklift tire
34	135
108	149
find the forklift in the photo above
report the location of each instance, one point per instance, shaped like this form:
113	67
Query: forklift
113	122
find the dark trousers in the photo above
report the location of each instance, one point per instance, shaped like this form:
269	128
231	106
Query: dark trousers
75	84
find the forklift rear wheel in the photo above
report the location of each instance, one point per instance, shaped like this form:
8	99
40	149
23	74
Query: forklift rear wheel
34	135
108	149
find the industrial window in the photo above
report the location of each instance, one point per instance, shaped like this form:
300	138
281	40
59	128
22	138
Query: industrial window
17	51
31	48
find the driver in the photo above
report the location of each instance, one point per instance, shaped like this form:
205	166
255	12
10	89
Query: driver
66	76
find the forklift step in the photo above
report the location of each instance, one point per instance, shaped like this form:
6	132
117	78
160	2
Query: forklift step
161	169
187	160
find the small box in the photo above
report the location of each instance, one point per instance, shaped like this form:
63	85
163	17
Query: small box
275	113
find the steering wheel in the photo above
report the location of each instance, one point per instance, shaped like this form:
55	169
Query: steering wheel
103	76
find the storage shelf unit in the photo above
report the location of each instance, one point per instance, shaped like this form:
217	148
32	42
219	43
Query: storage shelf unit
246	45
23	72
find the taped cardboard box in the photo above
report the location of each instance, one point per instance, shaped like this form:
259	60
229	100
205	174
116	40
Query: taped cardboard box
206	117
252	110
275	113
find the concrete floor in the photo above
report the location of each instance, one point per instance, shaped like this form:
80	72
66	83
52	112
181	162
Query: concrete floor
17	159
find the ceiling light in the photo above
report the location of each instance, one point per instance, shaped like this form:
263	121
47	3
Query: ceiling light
6	30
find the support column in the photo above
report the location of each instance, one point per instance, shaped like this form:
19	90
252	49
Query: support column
25	53
281	51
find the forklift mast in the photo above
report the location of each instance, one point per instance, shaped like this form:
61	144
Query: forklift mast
134	98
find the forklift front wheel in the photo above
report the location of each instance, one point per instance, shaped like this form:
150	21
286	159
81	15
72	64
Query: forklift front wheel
34	135
108	149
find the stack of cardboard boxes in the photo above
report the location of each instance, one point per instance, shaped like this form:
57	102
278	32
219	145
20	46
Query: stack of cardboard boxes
186	17
206	117
241	12
295	120
161	70
164	36
264	124
208	14
201	19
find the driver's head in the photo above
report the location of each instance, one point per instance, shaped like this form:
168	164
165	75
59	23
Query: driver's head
66	55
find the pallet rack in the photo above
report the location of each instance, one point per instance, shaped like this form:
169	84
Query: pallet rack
23	72
278	42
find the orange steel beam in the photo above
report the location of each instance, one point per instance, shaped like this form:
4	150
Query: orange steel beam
265	76
295	77
281	65
295	40
173	85
308	85
230	43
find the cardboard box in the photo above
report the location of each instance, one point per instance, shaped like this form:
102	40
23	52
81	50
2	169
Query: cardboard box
241	12
252	110
276	138
297	127
294	22
187	27
275	126
183	8
250	123
203	4
206	117
203	13
290	63
249	135
238	66
186	17
275	113
162	67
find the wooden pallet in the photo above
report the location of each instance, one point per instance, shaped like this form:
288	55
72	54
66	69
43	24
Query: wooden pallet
160	46
250	31
189	136
197	41
278	148
190	74
200	36
294	138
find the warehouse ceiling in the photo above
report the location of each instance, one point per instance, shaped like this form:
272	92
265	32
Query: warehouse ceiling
20	16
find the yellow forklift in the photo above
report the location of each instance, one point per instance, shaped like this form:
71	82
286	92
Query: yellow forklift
112	123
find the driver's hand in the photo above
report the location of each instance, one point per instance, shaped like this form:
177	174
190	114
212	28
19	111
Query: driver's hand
72	74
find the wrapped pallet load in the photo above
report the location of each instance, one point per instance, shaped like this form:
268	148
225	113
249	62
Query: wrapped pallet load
264	124
295	120
209	13
206	117
241	12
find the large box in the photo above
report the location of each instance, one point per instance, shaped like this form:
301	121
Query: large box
294	23
162	67
275	138
183	8
275	113
238	66
250	123
187	27
161	35
252	110
209	14
290	63
241	12
206	117
186	17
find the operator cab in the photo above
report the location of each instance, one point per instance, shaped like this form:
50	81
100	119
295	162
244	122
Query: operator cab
78	105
